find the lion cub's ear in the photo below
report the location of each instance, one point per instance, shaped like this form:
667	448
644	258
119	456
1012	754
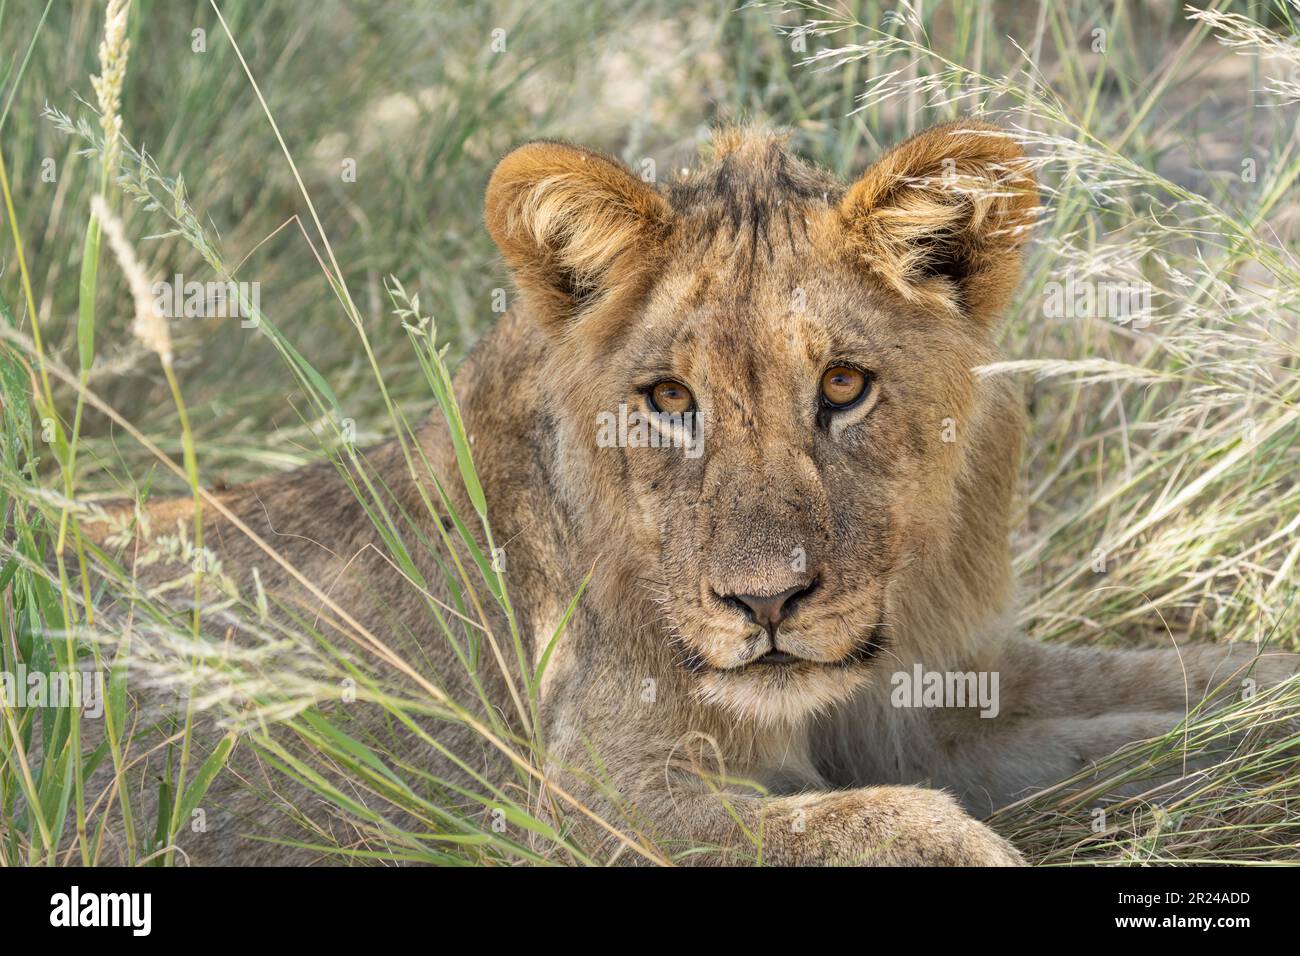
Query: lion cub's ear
941	217
575	227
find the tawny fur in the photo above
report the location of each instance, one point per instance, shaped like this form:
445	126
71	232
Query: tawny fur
744	280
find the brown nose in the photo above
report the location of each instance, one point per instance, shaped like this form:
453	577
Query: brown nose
769	610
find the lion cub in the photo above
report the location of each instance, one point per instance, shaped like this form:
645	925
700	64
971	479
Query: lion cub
745	403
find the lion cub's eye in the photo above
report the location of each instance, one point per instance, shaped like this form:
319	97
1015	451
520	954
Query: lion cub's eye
671	398
842	385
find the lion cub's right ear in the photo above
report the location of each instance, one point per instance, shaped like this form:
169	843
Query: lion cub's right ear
576	228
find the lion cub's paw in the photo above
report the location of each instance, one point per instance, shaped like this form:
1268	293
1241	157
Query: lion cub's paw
940	833
900	826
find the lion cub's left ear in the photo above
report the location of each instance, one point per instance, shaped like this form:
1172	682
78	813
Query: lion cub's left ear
576	228
941	218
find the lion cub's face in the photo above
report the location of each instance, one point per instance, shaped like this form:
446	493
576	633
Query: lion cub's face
814	465
766	376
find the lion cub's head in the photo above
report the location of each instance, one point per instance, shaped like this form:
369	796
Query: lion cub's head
761	387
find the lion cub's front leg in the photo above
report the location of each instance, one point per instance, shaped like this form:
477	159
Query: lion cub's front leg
649	782
878	826
872	826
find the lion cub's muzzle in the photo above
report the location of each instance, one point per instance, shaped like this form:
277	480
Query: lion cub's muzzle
769	610
771	643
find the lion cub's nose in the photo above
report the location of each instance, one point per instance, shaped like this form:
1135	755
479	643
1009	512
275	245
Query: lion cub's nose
769	610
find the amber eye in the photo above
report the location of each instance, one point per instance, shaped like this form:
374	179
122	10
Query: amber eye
842	385
671	398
